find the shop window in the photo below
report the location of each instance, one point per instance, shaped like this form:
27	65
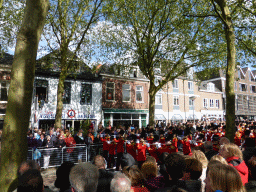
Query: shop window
110	89
67	93
126	92
139	93
4	91
41	90
86	94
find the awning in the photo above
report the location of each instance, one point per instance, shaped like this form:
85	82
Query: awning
177	117
191	117
160	117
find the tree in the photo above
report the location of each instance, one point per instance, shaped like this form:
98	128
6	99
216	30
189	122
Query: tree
156	34
14	140
222	9
69	22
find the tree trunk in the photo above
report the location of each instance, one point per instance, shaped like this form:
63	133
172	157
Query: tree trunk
60	92
231	68
14	137
152	95
230	78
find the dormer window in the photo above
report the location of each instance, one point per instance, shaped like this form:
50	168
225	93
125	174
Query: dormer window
210	87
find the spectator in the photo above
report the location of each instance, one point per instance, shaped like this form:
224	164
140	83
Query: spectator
31	180
199	155
83	177
251	185
105	177
209	152
223	177
234	157
120	183
60	144
193	172
62	177
48	151
80	141
70	143
249	150
219	158
224	140
175	167
136	177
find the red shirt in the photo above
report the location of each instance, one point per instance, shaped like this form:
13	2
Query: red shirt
141	152
120	145
130	148
105	144
112	148
186	146
163	149
150	140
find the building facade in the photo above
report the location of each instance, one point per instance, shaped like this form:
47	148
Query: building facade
124	98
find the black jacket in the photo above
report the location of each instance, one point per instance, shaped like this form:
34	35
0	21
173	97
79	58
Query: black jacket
105	178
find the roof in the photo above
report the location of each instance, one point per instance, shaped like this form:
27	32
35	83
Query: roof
6	59
203	87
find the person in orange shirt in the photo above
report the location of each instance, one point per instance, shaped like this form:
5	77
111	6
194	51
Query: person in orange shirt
130	148
112	152
150	138
174	144
106	142
152	150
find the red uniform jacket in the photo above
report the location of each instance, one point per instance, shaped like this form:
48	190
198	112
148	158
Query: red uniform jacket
130	148
141	152
164	148
186	146
105	144
174	146
120	145
162	140
240	166
112	148
150	140
153	152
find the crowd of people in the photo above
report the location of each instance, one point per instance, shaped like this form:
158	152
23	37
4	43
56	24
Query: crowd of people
178	157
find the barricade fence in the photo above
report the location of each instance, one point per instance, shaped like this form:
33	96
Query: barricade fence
54	157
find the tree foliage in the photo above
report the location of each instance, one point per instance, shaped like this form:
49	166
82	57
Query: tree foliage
67	31
159	33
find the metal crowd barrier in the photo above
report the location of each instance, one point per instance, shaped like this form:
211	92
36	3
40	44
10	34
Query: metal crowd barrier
54	157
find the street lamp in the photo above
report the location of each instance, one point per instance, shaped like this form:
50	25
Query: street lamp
193	98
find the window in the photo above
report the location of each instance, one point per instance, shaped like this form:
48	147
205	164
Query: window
67	93
210	87
110	89
157	80
190	86
41	89
211	103
158	99
126	92
175	84
4	91
139	93
191	102
175	100
217	103
243	87
205	103
86	94
253	89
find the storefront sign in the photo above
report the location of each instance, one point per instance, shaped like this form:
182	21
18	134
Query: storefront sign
69	115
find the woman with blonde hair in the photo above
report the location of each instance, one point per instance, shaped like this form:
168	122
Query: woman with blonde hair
136	177
219	158
234	157
223	177
200	156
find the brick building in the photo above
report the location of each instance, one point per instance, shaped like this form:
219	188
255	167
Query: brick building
124	97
